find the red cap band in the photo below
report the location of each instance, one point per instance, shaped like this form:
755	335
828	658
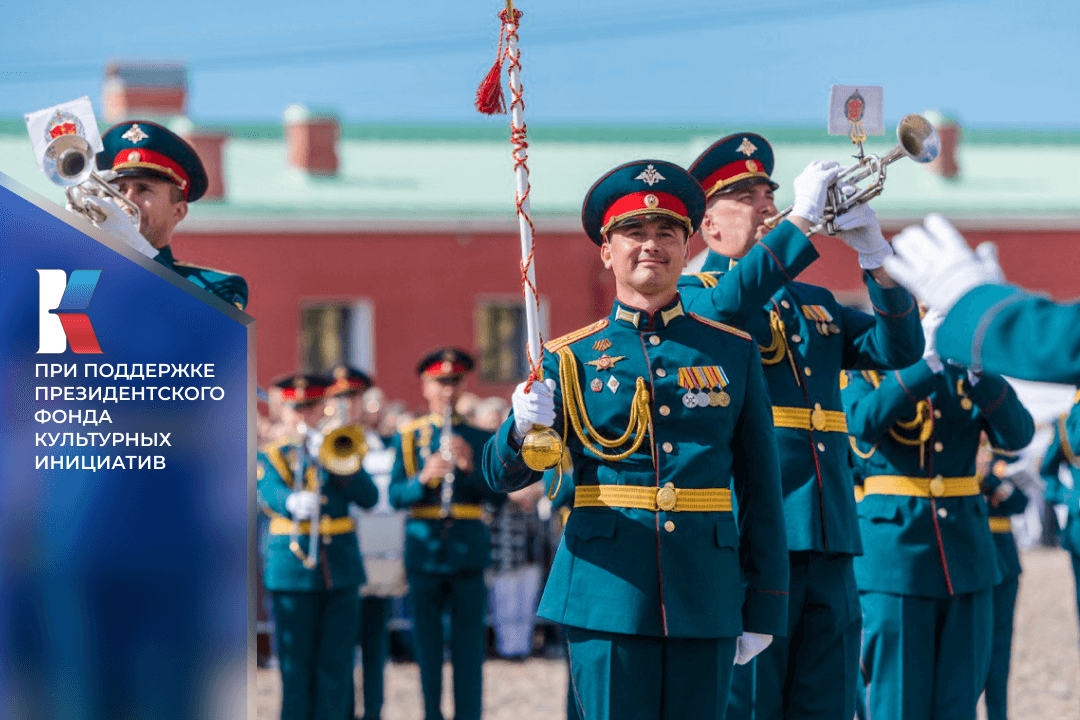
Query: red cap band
143	158
646	203
731	173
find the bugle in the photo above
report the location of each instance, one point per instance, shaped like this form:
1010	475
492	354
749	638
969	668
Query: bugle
917	138
69	162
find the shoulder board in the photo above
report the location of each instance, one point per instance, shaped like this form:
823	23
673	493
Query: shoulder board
721	326
204	268
707	279
559	343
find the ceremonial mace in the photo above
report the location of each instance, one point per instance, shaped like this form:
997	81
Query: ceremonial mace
542	447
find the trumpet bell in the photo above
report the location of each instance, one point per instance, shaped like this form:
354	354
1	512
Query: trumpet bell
69	160
343	450
918	138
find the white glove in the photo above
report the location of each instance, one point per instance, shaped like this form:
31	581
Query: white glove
860	230
810	189
987	253
314	442
934	262
749	644
302	504
118	223
1061	512
536	407
931	321
1003	491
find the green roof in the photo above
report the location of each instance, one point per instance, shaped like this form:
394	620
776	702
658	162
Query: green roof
432	174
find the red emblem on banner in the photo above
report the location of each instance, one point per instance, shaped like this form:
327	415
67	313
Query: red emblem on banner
854	107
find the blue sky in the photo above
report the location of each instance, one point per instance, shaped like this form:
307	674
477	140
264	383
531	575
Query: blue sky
991	62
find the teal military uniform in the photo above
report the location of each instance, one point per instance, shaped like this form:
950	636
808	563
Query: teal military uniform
805	337
1005	592
665	416
930	566
1061	456
444	561
559	487
144	148
1004	330
315	610
229	287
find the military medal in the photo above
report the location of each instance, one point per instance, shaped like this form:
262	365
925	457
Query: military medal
822	319
965	401
705	386
689	399
701	399
596	385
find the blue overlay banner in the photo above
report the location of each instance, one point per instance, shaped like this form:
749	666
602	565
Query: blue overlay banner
126	478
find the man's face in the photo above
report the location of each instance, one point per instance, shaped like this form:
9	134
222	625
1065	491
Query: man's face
157	202
440	392
309	413
647	255
735	221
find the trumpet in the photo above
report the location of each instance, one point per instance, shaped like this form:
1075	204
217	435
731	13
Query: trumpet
917	138
69	162
341	451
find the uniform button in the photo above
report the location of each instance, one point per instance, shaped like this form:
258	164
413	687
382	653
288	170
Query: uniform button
326	539
669	526
821	447
807	371
942	513
785	304
665	410
938	447
654	340
796	338
323	500
668	447
937	414
937	486
661	372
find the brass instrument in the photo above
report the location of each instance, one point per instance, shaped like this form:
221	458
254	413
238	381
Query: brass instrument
917	138
69	162
341	451
446	489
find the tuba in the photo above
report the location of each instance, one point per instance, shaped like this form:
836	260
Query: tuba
916	139
69	162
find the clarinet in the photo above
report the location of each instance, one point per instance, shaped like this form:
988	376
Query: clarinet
446	489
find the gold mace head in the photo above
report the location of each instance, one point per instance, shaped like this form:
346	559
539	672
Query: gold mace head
542	448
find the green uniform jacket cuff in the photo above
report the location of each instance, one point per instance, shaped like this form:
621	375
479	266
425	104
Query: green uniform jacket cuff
504	470
765	611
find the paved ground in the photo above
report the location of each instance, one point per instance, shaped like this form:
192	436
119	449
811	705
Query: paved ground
1044	685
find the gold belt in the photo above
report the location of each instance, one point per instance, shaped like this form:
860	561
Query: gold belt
807	419
458	511
922	487
668	498
327	526
999	524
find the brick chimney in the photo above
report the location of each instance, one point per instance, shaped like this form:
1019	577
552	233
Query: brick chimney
947	164
143	90
311	140
210	146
